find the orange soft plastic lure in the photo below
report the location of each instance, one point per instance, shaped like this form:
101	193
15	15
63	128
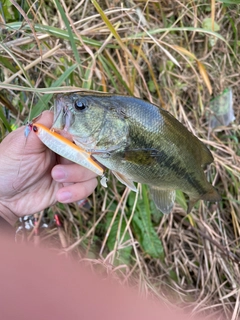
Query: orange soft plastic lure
65	147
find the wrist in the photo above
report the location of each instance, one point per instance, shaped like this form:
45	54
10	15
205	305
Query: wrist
7	214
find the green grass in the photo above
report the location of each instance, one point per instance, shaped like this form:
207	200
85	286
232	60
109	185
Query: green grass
167	53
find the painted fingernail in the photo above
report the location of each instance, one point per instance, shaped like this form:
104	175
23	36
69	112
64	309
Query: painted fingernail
59	175
64	196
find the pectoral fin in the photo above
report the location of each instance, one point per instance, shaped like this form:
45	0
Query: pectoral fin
164	199
125	180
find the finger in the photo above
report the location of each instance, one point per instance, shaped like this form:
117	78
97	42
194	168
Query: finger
46	118
76	192
71	173
17	143
14	141
32	143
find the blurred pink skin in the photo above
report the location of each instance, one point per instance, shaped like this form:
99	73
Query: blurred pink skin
36	284
34	178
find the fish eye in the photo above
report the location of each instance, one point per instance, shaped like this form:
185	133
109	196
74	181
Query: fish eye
35	129
80	105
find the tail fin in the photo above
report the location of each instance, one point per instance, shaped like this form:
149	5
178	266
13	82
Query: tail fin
211	195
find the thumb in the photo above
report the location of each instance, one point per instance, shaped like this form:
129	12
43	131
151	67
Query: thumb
46	118
32	144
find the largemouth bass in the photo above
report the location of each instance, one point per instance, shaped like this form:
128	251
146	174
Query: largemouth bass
139	142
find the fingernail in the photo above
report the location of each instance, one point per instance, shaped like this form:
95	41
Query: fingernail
59	175
64	196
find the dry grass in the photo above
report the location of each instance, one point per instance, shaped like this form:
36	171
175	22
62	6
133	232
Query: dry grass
135	47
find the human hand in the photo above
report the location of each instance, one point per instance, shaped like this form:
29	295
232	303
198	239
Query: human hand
34	178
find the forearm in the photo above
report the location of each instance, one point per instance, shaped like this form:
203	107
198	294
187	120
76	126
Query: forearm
7	214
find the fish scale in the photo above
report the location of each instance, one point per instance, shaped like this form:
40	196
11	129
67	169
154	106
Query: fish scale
139	142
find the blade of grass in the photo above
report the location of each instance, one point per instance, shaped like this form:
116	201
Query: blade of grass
56	32
6	103
6	63
112	65
201	30
168	54
143	226
21	11
33	63
9	52
162	30
4	120
42	90
104	63
212	13
150	69
204	75
26	79
117	233
119	40
201	67
39	107
87	78
70	33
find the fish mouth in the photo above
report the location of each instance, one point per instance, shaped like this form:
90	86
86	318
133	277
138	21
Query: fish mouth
58	111
68	117
63	117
